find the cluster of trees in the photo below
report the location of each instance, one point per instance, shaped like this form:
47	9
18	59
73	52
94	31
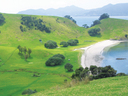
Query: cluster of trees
52	44
26	51
97	72
55	60
33	22
69	17
2	19
94	32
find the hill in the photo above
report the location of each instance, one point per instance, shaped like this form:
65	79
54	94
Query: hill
112	10
103	87
17	74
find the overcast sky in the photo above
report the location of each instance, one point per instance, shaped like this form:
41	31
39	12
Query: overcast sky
14	6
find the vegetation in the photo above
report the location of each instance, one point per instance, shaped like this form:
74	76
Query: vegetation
94	32
65	44
50	44
69	67
33	22
85	26
2	19
28	92
96	22
104	16
69	17
55	60
72	42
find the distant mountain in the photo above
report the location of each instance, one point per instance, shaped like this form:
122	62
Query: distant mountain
113	10
69	10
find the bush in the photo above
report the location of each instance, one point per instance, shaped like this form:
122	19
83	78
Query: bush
59	55
121	74
2	19
94	32
69	67
96	22
29	91
72	42
55	60
65	44
50	44
104	16
69	17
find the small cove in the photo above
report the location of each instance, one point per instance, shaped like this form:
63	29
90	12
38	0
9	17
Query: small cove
111	54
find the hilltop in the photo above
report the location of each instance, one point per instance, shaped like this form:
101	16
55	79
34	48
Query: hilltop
17	73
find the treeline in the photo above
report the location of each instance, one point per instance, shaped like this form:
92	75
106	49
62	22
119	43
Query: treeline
70	18
95	72
33	22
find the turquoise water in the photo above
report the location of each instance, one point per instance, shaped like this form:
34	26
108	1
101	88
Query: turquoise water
89	19
112	53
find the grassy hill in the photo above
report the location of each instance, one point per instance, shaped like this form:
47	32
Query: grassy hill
114	86
16	73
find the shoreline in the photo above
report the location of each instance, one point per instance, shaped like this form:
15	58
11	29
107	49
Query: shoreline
93	54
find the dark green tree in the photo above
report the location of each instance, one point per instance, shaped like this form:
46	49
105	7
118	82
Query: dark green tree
24	50
72	42
65	44
104	16
50	44
94	32
29	51
26	57
59	55
96	22
2	19
69	67
85	26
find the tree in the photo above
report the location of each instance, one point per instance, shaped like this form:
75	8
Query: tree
69	67
50	44
85	26
104	16
59	55
69	17
25	50
72	42
26	56
29	51
53	61
2	19
93	69
65	44
94	32
96	22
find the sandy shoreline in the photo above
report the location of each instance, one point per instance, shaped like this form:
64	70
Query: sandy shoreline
93	54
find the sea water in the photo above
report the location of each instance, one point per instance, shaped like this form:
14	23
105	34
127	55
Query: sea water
81	20
117	57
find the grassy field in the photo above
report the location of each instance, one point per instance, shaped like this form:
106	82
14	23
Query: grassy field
16	73
114	86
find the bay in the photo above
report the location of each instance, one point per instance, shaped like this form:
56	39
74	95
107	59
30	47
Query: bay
112	53
89	19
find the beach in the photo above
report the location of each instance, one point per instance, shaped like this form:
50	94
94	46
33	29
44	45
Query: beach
93	54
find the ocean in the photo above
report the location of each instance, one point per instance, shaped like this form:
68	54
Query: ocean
89	19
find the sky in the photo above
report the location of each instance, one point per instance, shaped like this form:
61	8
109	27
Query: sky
14	6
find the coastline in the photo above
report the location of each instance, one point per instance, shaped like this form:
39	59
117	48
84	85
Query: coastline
93	54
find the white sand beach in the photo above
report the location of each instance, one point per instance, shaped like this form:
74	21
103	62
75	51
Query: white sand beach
93	54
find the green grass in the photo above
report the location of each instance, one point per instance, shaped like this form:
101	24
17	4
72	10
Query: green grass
114	86
16	73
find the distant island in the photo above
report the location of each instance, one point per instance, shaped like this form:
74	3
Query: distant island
112	10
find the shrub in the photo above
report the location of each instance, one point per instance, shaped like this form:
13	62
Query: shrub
65	44
72	42
121	74
69	67
50	44
59	55
2	19
104	16
94	32
29	91
96	22
55	60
